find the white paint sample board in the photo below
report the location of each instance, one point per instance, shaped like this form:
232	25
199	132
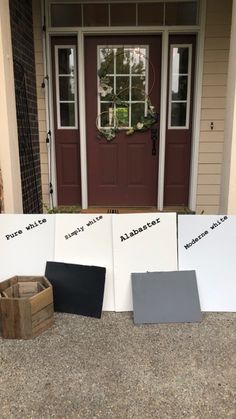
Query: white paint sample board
141	243
207	244
26	243
86	239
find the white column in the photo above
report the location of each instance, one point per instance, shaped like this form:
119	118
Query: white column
228	185
9	152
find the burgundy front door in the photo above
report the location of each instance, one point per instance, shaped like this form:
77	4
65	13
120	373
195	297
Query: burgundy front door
66	121
124	171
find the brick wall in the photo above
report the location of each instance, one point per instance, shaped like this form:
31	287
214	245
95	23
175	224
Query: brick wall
27	120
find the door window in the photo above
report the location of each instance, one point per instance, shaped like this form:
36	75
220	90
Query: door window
66	87
122	86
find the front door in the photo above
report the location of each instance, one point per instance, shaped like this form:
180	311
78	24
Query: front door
122	88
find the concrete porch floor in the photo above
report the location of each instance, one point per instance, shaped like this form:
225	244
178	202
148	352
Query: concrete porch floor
109	368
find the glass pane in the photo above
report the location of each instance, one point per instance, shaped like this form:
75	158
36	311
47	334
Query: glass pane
106	61
122	61
67	112
123	14
66	15
137	114
96	15
67	88
138	60
107	115
138	88
178	114
183	13
122	116
179	87
122	87
106	89
180	60
119	87
66	61
150	14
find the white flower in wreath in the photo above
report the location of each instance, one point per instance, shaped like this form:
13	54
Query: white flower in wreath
139	125
151	110
104	89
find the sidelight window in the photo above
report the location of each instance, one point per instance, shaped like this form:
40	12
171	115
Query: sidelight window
180	86
66	87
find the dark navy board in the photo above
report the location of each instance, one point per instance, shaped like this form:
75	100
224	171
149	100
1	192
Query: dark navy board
165	297
77	289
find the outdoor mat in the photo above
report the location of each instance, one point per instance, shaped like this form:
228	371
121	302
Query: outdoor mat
165	297
77	289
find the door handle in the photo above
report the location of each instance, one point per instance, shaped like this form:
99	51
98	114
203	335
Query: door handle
154	138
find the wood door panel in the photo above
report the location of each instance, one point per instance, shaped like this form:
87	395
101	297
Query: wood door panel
177	158
108	163
67	180
67	156
123	172
135	176
175	191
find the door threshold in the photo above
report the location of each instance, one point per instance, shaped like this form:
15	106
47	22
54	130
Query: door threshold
179	209
130	210
118	210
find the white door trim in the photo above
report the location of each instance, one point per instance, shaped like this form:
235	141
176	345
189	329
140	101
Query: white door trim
197	108
82	118
163	116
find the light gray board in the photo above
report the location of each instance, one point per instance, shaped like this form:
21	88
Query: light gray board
165	297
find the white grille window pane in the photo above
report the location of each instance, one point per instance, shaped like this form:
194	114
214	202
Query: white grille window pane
106	57
122	116
178	114
107	115
67	88
180	60
180	86
138	88
138	110
122	61
122	85
66	61
67	113
138	61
